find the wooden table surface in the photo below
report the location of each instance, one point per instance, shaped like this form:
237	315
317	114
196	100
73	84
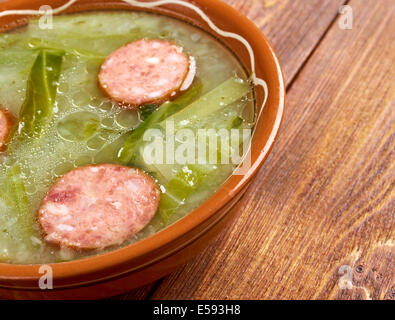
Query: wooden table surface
318	221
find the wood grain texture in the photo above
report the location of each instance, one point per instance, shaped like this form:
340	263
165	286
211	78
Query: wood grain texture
294	31
325	200
292	27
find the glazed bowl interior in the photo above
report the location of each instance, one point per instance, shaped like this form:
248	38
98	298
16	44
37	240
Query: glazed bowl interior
267	127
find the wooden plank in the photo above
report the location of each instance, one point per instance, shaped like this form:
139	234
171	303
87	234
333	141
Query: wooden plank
139	294
319	220
293	29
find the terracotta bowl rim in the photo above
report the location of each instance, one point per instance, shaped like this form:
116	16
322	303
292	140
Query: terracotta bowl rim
217	201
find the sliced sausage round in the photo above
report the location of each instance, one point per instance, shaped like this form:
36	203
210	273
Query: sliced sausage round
97	206
146	71
6	123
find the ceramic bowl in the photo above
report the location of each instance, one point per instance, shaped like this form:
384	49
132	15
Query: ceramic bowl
152	258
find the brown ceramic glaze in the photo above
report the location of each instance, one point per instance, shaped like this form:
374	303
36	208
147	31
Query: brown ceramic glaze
145	261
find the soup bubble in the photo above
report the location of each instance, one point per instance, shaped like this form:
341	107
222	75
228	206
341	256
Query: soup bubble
78	126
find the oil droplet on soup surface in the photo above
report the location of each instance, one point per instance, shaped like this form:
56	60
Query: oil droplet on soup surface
78	126
129	119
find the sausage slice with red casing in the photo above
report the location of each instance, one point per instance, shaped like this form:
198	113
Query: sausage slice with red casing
146	71
6	123
98	206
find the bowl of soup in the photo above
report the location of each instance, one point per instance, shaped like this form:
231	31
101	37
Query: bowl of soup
129	130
